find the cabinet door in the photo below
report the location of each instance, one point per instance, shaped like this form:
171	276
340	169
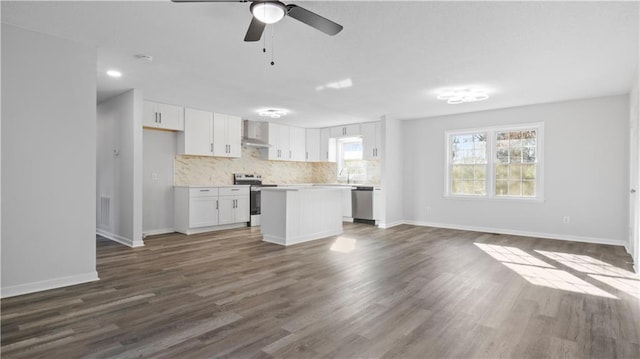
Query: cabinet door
297	143
203	212
312	145
171	117
234	136
352	130
273	132
336	132
345	131
242	210
226	212
284	142
220	135
197	133
327	146
368	140
149	114
378	140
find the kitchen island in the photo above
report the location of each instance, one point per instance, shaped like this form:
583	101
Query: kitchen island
299	214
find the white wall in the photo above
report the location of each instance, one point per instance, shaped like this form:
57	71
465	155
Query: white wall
159	150
392	170
48	162
119	158
585	173
633	245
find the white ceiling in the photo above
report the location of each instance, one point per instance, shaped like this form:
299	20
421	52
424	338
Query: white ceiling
395	53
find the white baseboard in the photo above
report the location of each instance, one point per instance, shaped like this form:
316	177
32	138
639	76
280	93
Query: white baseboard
120	239
26	288
562	237
213	228
391	224
155	232
301	239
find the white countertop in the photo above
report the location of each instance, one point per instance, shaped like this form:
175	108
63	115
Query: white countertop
214	185
302	188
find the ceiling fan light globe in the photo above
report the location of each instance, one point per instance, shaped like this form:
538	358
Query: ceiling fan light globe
268	12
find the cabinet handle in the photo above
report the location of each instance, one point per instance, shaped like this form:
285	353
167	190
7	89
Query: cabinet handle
204	190
235	189
327	158
216	204
160	116
228	148
306	156
156	120
289	154
212	147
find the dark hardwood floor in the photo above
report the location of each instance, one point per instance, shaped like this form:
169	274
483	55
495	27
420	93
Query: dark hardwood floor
406	292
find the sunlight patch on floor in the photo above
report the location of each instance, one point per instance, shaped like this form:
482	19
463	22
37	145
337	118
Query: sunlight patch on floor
587	264
512	255
541	273
558	279
344	245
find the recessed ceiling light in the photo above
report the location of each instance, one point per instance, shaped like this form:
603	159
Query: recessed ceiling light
456	96
114	73
272	112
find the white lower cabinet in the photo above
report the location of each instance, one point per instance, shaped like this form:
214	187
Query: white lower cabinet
234	205
204	209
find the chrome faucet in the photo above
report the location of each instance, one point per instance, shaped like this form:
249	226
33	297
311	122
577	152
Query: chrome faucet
348	174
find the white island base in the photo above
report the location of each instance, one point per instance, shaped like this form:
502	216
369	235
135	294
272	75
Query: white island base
293	215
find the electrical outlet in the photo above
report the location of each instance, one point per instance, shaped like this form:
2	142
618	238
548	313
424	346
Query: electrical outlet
566	219
154	176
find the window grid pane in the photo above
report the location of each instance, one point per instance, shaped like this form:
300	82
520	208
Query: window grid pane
468	164
515	168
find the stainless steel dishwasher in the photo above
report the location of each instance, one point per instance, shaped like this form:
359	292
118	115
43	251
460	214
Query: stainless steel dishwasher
362	204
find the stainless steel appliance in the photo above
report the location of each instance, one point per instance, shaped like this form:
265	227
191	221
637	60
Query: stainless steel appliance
362	205
255	181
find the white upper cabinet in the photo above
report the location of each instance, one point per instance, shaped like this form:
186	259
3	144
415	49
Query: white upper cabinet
327	146
209	134
313	145
227	135
274	132
345	131
163	116
197	138
287	143
297	143
371	140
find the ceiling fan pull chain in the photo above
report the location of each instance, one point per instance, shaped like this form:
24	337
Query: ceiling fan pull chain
273	44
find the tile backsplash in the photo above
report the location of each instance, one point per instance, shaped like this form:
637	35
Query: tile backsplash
203	170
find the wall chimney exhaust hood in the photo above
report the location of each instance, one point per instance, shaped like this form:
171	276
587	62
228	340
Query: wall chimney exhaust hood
253	134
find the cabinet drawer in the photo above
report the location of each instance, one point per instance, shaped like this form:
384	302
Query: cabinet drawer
203	192
234	191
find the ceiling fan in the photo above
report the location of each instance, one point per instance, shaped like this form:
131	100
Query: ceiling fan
271	11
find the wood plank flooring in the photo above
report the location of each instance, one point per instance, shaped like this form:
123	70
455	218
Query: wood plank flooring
405	292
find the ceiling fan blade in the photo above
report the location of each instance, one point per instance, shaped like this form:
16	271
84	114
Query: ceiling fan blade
209	0
254	33
314	20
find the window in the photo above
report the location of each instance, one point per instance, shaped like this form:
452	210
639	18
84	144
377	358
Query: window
495	162
351	166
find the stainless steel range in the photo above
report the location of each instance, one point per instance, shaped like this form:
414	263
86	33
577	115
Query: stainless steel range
254	193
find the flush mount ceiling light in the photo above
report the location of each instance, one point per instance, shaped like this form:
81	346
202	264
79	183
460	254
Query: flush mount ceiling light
272	112
456	96
114	73
268	12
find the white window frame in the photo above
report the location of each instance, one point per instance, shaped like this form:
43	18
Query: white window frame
490	175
